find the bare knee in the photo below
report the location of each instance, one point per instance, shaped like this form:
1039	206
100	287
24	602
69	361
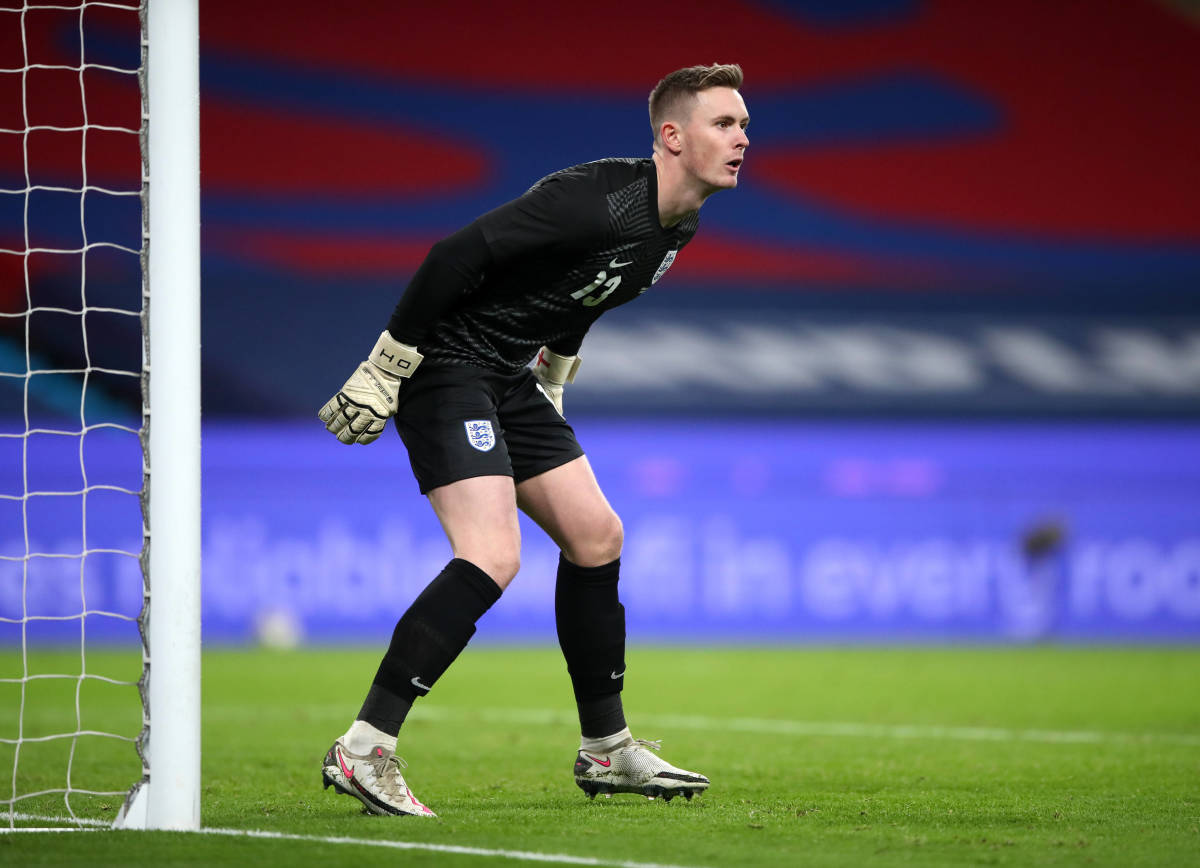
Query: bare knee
600	545
501	561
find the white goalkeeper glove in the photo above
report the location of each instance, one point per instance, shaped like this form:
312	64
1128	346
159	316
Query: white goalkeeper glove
553	372
359	412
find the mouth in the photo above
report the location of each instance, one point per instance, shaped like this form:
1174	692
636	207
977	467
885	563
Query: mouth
734	164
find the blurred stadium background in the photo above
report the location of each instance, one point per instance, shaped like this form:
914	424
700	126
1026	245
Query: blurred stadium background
955	300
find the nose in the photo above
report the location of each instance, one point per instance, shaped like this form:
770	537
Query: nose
743	140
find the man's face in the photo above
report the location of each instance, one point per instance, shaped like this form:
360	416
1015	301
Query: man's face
714	137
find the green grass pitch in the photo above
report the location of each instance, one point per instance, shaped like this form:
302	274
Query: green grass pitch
818	756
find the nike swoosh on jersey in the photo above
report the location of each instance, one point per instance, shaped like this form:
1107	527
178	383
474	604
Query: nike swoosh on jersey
614	264
615	675
416	682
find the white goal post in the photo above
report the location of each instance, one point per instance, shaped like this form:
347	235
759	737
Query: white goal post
99	509
169	795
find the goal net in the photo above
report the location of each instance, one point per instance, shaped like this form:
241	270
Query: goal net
75	395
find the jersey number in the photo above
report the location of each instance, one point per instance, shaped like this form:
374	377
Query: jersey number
609	283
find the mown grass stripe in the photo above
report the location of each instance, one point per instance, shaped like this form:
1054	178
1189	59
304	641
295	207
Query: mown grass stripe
545	716
763	726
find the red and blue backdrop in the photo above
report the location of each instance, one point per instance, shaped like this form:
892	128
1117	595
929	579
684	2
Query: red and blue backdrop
1000	195
961	229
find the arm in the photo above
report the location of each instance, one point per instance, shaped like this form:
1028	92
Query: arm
562	213
542	219
453	266
549	217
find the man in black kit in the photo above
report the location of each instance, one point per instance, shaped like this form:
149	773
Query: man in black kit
485	434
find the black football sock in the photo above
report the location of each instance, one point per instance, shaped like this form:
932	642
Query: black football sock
427	638
591	633
601	716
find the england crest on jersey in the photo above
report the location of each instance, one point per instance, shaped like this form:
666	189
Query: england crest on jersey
664	265
480	434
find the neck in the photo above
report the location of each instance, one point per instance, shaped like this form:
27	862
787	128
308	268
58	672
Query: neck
677	198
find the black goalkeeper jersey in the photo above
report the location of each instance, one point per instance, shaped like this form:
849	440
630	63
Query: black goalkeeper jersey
541	268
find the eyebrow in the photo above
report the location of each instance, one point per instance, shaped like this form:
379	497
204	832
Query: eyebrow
745	121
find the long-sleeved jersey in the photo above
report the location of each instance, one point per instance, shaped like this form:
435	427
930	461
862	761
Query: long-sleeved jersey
541	268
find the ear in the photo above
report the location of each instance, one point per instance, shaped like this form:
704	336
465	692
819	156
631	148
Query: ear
671	134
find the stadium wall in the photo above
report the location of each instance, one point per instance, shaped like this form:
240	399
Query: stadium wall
767	530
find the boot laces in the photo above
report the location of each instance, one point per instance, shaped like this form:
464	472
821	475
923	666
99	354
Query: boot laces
387	772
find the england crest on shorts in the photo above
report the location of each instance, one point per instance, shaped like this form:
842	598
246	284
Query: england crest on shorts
664	265
480	434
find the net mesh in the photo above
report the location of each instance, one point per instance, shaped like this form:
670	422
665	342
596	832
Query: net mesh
72	446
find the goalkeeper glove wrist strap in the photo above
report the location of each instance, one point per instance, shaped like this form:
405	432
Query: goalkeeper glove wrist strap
395	358
557	369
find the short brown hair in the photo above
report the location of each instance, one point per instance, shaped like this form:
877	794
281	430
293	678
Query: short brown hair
671	94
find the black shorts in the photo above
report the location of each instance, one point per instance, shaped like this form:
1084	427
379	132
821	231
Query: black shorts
458	422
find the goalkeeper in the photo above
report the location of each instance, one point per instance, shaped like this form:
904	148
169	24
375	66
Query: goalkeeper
485	434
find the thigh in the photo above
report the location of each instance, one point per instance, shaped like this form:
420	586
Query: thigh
447	418
568	504
479	516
